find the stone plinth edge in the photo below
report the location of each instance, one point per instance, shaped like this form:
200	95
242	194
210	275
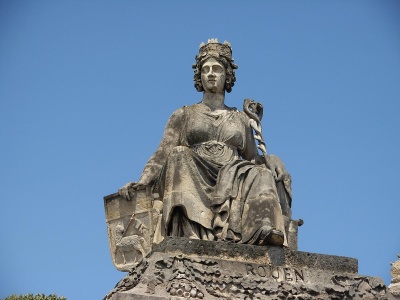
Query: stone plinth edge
277	256
180	268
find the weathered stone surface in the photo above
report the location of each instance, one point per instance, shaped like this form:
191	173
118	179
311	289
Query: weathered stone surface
134	226
181	268
394	289
130	227
277	256
394	286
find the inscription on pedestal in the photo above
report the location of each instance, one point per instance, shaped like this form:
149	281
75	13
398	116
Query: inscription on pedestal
181	274
277	273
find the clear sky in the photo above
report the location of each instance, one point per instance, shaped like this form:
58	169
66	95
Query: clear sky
86	88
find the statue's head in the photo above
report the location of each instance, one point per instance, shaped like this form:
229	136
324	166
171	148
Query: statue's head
221	53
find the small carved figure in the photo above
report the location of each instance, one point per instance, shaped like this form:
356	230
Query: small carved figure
395	270
126	244
394	286
212	181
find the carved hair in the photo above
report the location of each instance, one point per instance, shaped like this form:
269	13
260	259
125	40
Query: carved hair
223	54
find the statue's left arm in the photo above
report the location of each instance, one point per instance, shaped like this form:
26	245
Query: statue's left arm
170	139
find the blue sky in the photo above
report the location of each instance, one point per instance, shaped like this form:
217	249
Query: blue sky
86	88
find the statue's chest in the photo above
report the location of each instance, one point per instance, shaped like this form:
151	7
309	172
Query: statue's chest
203	128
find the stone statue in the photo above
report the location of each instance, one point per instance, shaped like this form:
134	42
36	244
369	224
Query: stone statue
394	286
207	172
207	185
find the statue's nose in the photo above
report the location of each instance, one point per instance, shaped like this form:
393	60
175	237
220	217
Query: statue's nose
211	73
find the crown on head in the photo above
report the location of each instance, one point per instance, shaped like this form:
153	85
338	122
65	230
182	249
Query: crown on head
214	48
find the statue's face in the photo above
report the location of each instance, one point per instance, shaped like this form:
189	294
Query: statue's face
213	76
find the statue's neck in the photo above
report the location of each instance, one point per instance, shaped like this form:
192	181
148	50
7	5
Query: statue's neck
214	101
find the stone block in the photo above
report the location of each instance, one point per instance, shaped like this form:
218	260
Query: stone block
180	268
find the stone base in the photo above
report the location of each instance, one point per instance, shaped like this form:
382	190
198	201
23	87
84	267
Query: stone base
394	289
181	268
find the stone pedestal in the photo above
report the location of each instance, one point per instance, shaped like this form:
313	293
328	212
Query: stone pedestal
394	286
181	268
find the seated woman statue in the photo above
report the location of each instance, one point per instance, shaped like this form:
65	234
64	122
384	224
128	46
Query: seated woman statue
207	170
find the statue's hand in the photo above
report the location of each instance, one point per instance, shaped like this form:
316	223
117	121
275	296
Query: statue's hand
279	174
273	171
276	171
124	191
131	186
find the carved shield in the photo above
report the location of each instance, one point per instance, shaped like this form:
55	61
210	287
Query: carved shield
130	227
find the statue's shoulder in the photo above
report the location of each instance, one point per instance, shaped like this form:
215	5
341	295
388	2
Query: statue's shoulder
245	118
234	110
188	109
196	106
180	112
183	113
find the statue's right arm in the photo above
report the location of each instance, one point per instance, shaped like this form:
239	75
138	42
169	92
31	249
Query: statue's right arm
170	139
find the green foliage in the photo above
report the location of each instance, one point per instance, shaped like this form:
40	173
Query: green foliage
35	297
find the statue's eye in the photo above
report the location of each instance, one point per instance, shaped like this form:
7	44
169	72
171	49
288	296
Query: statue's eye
217	69
205	69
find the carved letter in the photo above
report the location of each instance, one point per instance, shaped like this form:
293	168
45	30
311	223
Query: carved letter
261	271
288	276
299	275
275	273
250	269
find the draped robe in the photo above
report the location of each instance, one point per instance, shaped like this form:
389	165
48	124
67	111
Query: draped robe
209	186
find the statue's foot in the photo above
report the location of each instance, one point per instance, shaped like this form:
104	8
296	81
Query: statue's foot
270	236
